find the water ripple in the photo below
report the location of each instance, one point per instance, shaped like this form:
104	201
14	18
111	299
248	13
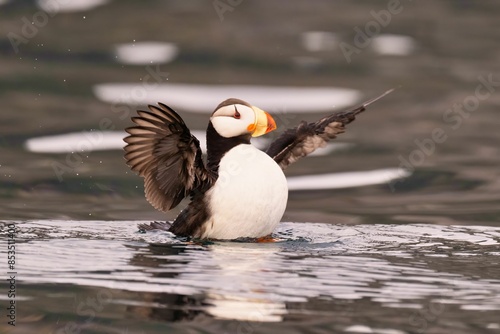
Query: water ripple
313	265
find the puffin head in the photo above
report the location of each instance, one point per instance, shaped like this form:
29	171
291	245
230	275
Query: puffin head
234	117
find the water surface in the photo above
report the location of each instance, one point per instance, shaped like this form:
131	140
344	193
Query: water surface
105	276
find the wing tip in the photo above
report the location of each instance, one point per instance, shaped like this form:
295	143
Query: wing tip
375	99
365	104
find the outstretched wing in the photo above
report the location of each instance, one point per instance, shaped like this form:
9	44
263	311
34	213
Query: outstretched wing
162	150
304	139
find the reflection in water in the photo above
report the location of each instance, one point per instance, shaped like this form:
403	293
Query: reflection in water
223	287
272	99
240	270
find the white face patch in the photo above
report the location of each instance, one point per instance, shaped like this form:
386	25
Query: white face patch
233	120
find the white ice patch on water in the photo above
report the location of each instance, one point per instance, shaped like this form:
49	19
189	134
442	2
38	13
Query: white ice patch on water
143	53
366	329
393	45
204	98
346	180
84	141
62	6
315	41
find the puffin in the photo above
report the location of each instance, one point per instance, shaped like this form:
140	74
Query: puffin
239	191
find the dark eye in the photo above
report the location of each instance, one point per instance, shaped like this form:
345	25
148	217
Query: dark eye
236	113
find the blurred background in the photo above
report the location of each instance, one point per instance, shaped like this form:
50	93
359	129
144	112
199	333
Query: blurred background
73	72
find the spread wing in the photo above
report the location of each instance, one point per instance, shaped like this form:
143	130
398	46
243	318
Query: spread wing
161	149
304	139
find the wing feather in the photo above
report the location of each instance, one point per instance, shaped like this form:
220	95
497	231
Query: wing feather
161	149
305	138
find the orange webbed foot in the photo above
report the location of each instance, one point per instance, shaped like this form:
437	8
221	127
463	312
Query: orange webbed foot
267	238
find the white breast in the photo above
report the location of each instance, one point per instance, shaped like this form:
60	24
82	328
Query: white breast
249	197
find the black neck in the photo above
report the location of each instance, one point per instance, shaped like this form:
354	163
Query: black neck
217	146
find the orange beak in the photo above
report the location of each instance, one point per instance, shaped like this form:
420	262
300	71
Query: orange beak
264	123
